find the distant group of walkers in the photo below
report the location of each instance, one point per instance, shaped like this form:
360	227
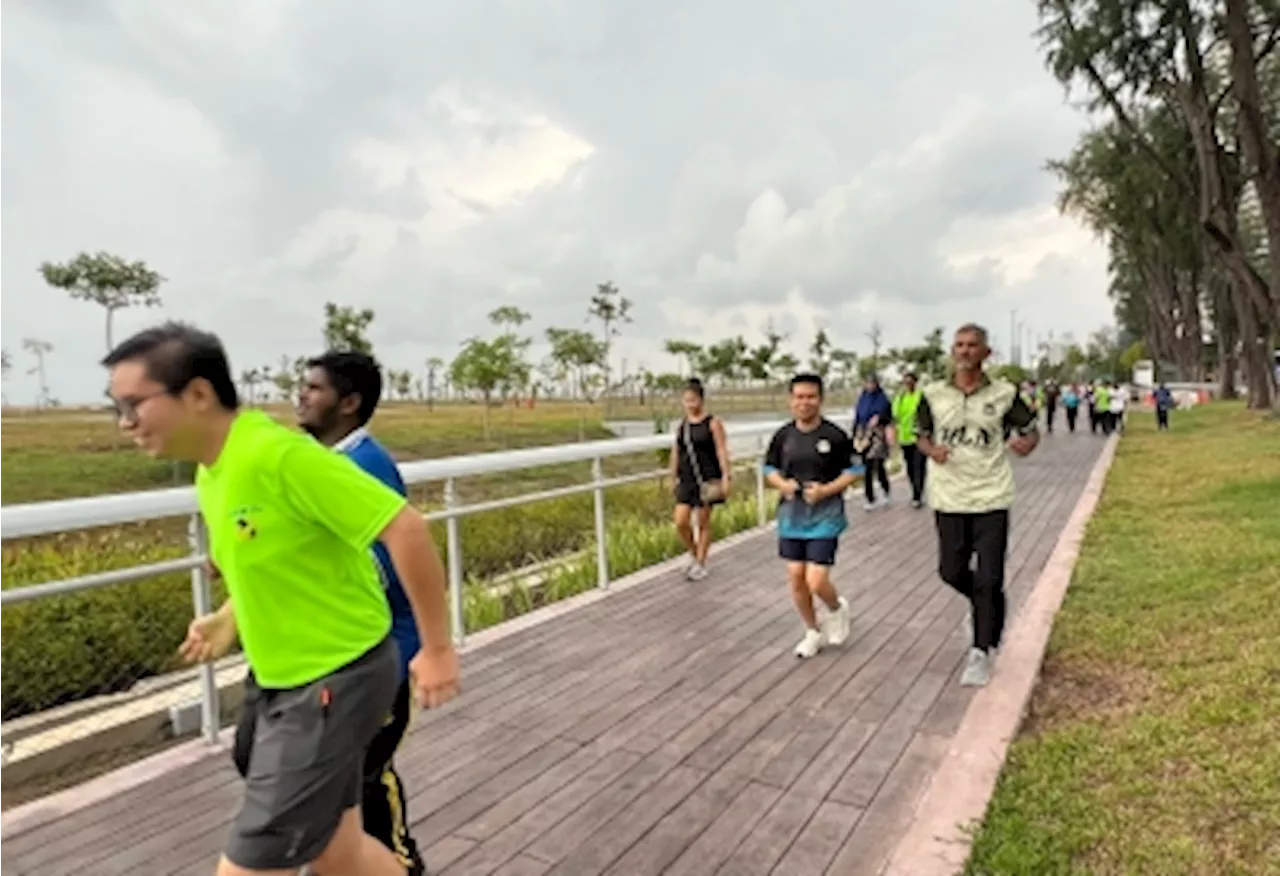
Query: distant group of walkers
1105	402
953	434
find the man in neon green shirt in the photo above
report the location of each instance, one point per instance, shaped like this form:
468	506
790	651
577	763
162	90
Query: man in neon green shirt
905	404
1102	397
291	525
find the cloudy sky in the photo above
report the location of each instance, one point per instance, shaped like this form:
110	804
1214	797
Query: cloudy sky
818	162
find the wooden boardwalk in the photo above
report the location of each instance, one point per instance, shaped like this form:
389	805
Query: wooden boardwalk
666	729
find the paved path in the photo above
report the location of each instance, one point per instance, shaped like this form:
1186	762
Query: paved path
665	729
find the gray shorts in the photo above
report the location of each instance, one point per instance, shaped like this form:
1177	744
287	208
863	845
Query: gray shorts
307	762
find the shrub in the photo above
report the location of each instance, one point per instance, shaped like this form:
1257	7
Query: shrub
634	544
64	648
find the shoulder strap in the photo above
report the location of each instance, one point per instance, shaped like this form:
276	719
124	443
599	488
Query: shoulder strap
693	457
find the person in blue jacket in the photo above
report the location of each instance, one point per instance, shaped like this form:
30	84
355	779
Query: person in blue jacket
338	397
871	420
1164	403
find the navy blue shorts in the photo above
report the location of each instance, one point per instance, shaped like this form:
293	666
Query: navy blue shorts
815	551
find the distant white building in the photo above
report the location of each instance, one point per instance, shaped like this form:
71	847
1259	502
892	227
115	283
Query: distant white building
1055	349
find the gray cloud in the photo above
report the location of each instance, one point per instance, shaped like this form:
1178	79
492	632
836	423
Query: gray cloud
434	161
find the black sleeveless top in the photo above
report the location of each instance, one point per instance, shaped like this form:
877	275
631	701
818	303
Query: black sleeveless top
703	444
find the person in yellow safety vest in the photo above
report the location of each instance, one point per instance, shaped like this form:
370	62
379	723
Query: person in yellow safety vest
904	416
1102	398
1028	395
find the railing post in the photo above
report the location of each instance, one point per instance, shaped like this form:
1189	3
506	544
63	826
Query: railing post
602	544
202	604
762	511
453	540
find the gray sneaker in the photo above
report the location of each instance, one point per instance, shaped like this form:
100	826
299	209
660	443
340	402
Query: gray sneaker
977	669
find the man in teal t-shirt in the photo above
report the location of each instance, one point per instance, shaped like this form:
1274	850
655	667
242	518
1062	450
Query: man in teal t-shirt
291	525
810	463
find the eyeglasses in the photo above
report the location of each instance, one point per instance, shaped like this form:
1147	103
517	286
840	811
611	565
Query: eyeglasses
126	409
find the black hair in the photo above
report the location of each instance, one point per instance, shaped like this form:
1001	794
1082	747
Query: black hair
353	373
175	354
694	385
809	378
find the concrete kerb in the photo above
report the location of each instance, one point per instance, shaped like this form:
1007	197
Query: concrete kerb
938	841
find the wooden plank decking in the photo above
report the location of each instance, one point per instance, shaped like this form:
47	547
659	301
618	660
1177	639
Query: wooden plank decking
666	729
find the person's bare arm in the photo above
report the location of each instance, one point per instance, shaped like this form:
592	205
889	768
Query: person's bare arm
417	562
1022	445
215	574
722	449
773	469
836	487
842	451
1020	421
781	484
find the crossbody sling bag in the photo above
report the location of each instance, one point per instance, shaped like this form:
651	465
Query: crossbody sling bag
708	491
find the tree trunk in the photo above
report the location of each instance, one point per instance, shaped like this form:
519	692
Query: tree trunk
110	313
1219	196
1228	364
1260	151
1225	320
1191	339
1255	354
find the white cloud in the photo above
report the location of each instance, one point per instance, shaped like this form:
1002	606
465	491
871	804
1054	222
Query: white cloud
725	165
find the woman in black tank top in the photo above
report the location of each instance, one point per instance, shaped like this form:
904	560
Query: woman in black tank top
701	472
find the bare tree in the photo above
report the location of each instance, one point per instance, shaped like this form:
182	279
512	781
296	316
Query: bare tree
39	349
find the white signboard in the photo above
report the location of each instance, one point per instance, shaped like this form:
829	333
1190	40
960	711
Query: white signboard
1144	374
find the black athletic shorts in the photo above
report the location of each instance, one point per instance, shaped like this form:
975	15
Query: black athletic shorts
307	763
814	551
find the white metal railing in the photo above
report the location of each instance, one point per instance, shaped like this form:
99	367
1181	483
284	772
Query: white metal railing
47	518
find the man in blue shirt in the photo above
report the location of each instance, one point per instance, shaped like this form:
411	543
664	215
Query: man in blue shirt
1164	404
339	393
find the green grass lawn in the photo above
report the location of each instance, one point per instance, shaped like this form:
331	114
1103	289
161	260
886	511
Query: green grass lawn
62	455
1153	741
66	454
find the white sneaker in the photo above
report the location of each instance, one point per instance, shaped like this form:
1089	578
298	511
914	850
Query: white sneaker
811	644
884	501
977	669
835	625
870	506
696	572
